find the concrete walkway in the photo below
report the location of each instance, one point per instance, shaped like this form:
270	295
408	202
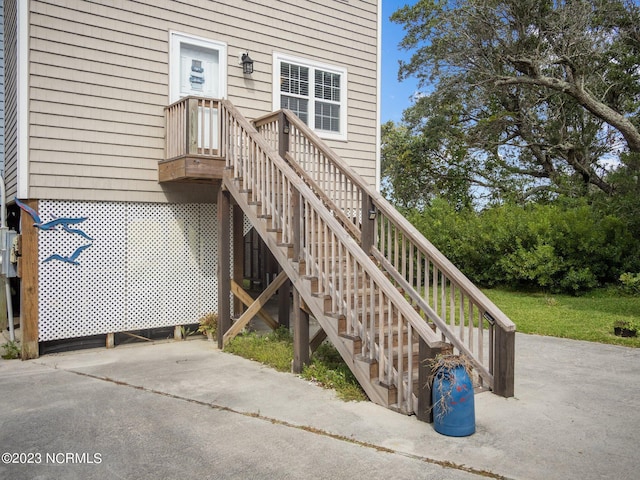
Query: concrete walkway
186	410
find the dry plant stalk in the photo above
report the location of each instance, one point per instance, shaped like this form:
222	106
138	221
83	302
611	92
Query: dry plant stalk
443	364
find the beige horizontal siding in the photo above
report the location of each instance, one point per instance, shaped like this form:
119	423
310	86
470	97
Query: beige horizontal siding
94	148
99	82
77	123
117	76
98	137
54	100
93	171
100	192
98	37
73	181
99	92
82	160
113	117
10	105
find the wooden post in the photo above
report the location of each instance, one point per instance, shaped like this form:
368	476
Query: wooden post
270	266
284	304
192	126
224	265
504	363
301	355
177	332
29	285
368	225
283	135
425	355
284	293
238	255
110	342
296	207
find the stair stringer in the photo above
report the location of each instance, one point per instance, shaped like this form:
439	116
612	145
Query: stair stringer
361	369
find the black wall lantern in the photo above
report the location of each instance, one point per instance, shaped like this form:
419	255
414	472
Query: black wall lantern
247	64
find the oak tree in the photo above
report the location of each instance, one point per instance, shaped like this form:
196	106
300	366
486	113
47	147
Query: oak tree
528	97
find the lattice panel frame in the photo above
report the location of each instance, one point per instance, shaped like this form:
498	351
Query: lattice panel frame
149	265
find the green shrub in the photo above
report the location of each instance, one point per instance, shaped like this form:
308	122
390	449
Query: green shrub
566	246
11	350
630	283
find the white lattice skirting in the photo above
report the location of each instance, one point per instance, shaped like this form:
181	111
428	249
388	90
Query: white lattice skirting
148	266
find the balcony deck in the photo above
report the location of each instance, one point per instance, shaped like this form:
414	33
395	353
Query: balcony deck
191	144
191	168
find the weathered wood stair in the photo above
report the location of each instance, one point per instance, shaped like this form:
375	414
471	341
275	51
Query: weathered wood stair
375	286
317	300
453	306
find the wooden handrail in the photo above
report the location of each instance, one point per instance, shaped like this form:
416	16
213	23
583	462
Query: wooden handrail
402	250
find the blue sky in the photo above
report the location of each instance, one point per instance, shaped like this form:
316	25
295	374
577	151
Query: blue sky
395	96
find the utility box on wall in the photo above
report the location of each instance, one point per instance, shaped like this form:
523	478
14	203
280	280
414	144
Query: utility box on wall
8	257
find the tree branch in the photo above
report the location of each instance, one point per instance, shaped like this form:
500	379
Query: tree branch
597	108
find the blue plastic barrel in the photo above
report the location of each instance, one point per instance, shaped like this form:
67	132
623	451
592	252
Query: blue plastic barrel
457	417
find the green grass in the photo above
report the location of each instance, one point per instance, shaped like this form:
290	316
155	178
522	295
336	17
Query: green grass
275	349
329	370
588	317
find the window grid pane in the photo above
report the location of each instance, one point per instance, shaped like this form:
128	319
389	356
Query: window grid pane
327	86
294	79
299	106
327	116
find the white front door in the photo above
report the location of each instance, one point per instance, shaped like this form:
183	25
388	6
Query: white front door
199	71
198	68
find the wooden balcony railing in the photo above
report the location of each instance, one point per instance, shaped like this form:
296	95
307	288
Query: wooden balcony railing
460	312
192	143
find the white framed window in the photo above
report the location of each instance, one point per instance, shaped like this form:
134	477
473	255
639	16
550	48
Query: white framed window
316	92
197	66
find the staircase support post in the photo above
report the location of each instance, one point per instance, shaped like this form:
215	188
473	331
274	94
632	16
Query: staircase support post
238	254
283	135
224	264
426	354
504	363
284	294
368	224
301	355
284	304
296	207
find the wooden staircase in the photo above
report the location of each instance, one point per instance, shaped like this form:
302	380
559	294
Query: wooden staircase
349	258
322	297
